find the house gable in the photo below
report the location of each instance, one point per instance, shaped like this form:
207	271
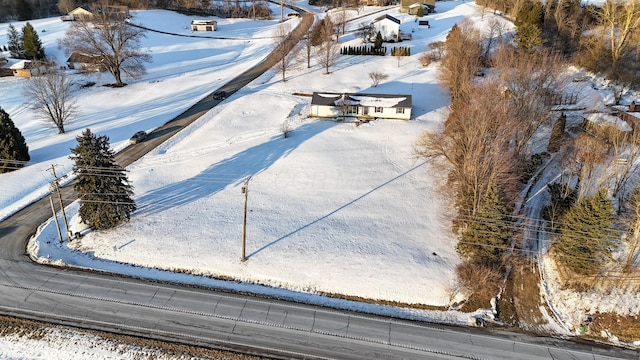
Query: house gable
387	25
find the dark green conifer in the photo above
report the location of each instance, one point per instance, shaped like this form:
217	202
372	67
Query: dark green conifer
101	184
586	239
377	44
485	238
31	43
14	151
15	42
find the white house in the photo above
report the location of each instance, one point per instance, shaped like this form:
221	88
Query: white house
204	25
387	25
368	106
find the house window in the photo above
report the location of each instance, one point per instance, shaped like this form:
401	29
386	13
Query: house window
378	109
352	109
400	110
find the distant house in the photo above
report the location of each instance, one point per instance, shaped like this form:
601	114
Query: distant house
411	6
204	25
368	106
81	13
27	68
85	63
387	25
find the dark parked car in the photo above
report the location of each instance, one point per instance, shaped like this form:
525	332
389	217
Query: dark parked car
138	137
220	95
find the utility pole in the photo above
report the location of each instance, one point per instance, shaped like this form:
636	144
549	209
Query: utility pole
55	217
56	184
245	191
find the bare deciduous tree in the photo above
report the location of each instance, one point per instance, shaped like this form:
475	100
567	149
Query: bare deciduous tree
307	45
621	18
633	222
590	152
365	32
114	41
461	60
282	48
376	77
531	84
475	147
51	96
66	6
327	53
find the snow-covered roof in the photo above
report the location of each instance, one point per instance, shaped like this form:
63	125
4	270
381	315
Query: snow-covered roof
22	64
374	100
203	22
386	17
605	119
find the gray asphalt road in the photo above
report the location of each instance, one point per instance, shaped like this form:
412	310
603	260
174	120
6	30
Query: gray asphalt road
268	326
206	317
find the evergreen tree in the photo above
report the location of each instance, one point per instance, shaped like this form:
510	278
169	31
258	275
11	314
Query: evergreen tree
14	151
31	43
486	236
557	134
420	11
529	37
15	42
102	186
585	242
377	44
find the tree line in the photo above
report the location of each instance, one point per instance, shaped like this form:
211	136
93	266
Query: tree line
489	146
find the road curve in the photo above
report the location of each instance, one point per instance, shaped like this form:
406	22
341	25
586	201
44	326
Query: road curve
204	317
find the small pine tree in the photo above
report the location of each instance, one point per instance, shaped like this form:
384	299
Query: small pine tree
377	44
15	42
31	43
14	151
585	243
486	236
420	12
102	186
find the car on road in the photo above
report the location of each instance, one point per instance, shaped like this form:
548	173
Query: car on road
220	95
138	137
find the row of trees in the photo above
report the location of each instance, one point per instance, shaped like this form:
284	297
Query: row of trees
101	184
486	144
25	44
601	39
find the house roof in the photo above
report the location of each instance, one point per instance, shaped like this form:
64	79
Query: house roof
387	17
375	100
203	22
22	64
81	10
84	58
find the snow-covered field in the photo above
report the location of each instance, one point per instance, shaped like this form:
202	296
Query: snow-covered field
333	208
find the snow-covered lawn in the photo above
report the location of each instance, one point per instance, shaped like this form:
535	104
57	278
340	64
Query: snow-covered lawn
334	208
